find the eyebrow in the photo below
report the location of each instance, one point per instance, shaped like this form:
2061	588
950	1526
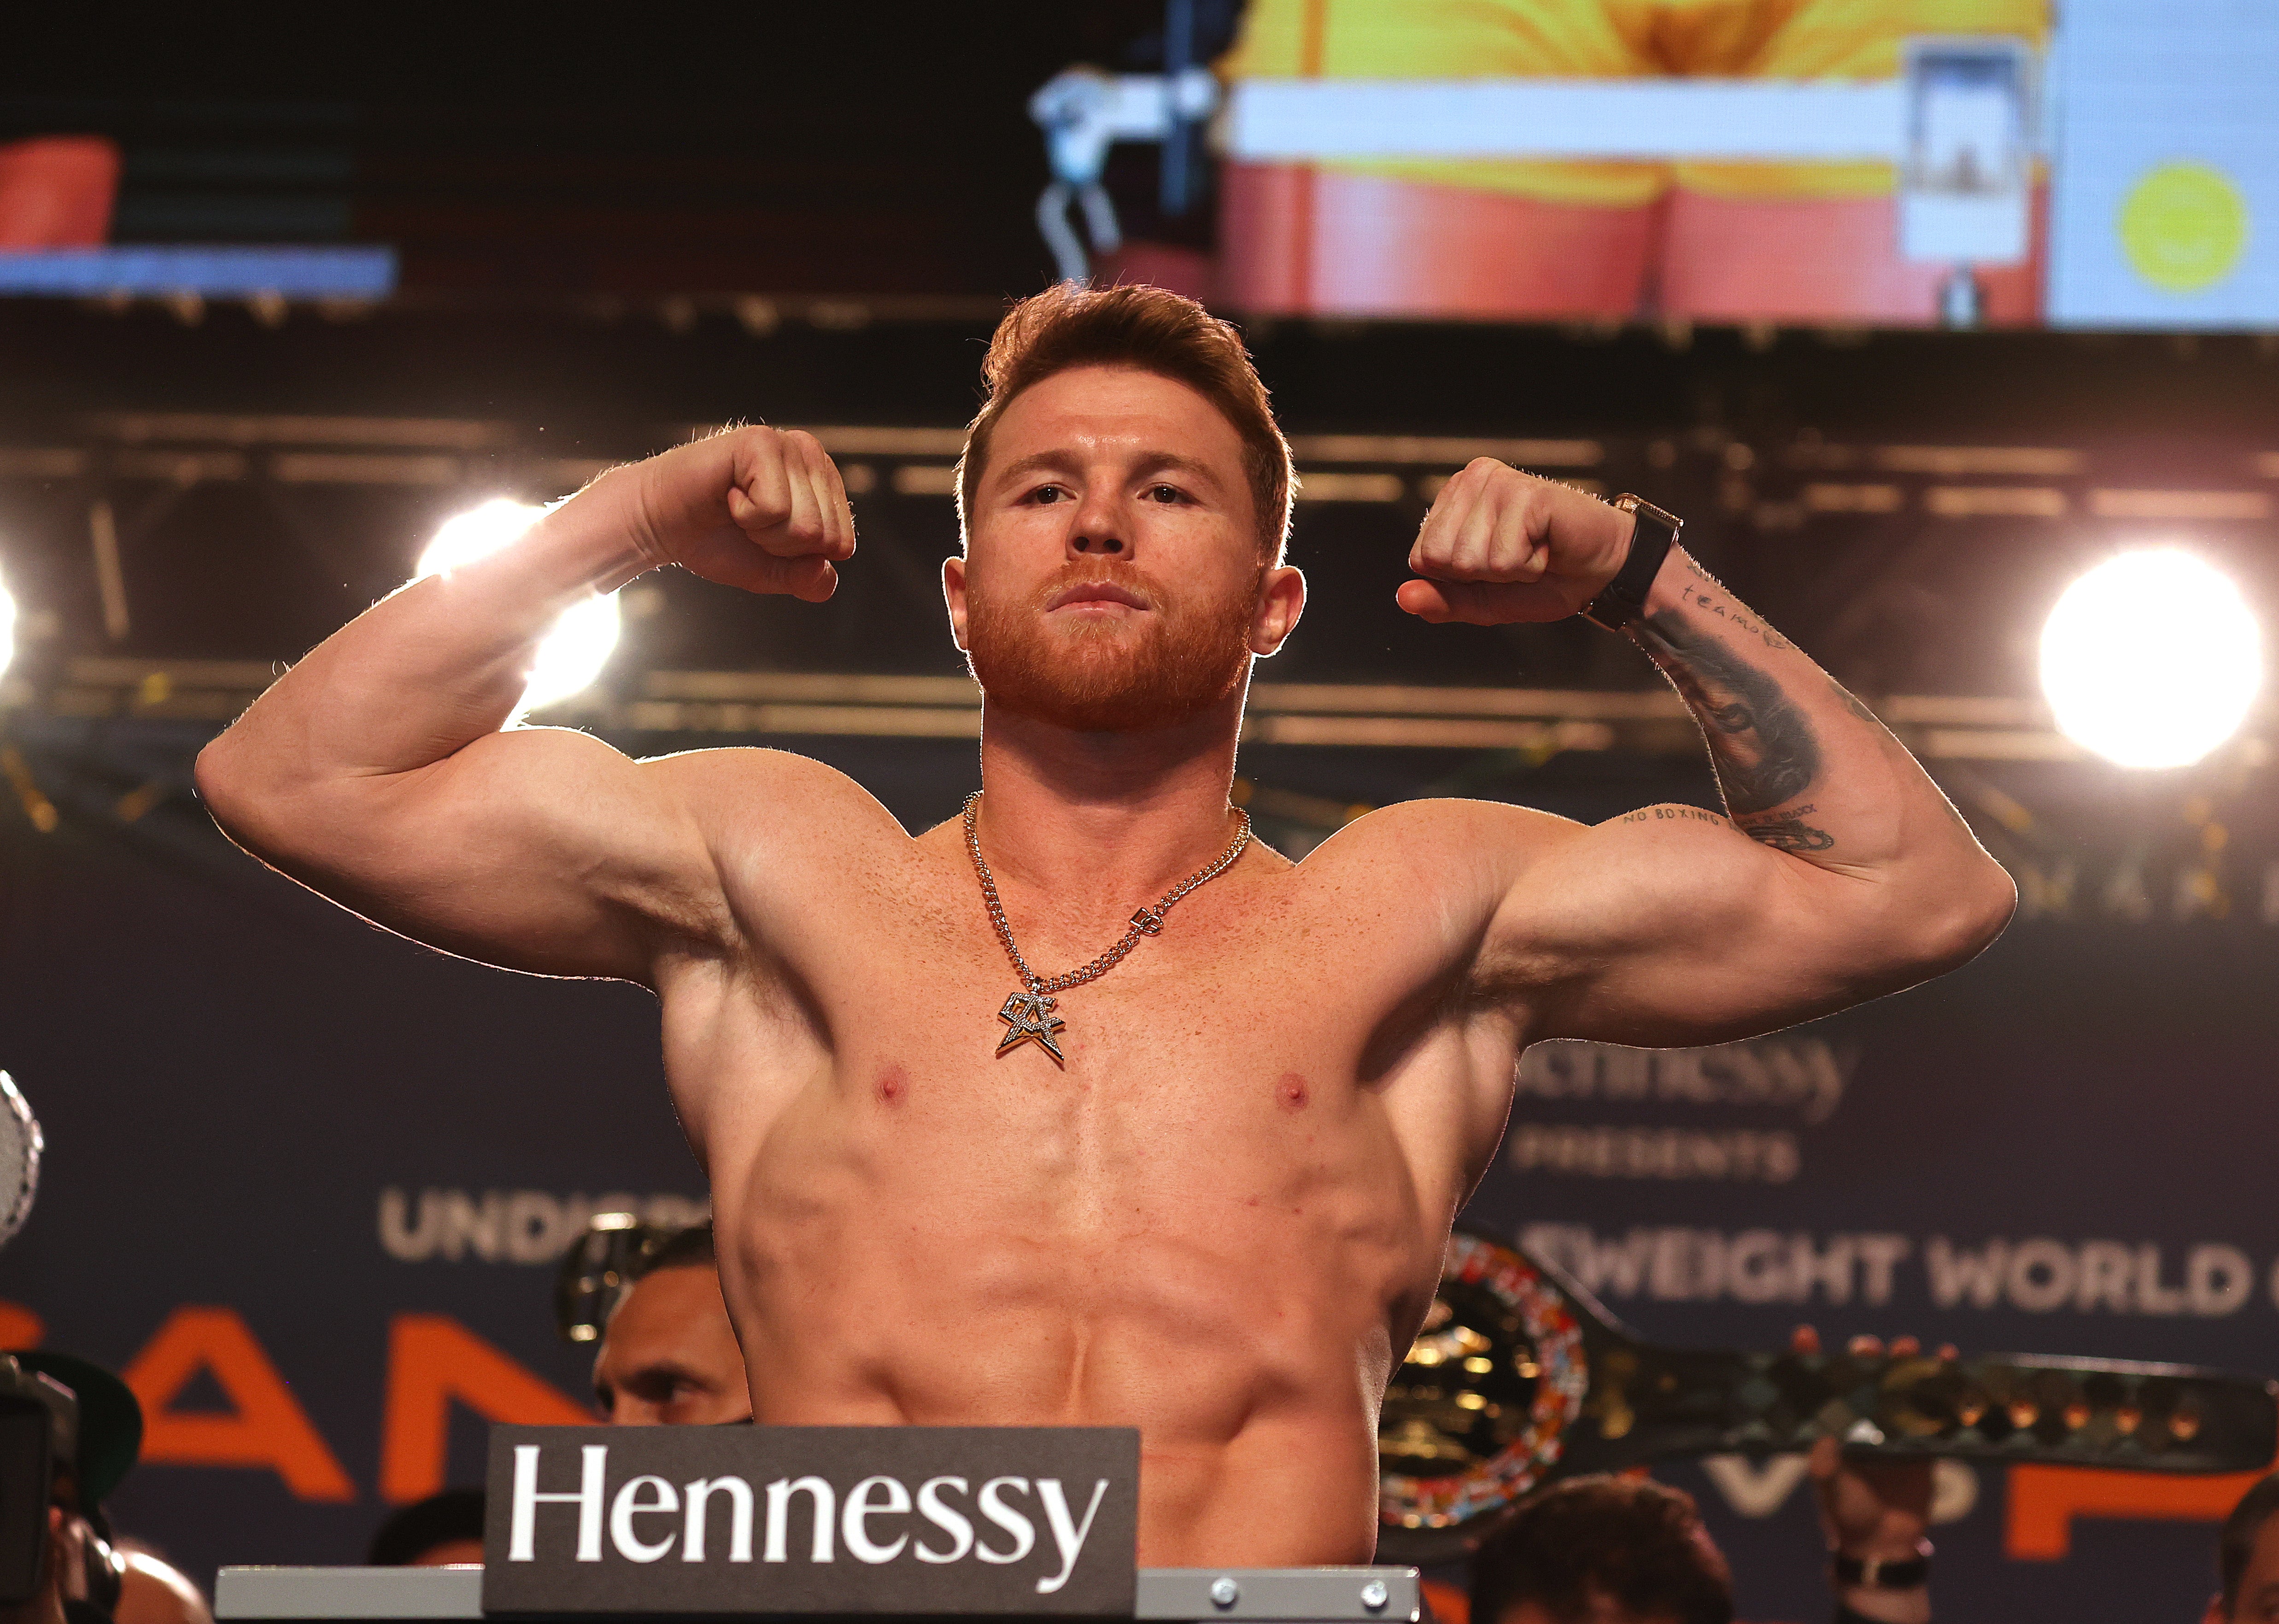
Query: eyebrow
668	1367
1065	461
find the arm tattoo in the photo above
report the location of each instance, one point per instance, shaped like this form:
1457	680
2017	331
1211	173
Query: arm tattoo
1677	814
1764	748
1789	832
1707	600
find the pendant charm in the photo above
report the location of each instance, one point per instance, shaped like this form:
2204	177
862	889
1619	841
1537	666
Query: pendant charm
1029	1017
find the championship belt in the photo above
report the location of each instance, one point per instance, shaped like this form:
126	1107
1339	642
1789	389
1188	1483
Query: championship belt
1519	1377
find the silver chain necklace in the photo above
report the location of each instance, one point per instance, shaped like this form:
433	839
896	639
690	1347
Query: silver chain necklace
1028	1014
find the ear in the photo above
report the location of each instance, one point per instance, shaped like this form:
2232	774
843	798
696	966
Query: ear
1280	602
953	593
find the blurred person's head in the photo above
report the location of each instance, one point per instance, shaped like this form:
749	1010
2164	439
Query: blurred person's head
85	1574
443	1530
669	1355
152	1591
1602	1550
1124	499
2247	1559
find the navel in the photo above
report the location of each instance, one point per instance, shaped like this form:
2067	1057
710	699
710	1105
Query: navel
1291	1092
893	1085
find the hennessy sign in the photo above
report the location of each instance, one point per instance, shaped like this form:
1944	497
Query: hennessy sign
733	1521
1519	1377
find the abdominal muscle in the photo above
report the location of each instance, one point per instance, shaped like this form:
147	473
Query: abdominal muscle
1235	1296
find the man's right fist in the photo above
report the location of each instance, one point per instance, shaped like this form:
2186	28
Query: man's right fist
761	508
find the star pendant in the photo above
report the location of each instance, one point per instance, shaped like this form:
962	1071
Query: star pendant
1029	1018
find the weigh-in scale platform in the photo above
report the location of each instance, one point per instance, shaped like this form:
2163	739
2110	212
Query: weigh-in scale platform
1187	1594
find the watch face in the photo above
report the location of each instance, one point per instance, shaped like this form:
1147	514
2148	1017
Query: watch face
1473	1417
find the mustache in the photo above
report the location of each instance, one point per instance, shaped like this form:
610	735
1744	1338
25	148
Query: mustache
1128	578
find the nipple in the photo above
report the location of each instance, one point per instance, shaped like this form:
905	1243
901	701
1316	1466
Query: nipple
893	1085
1291	1092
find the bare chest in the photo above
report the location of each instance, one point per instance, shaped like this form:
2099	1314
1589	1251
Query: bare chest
1235	1019
1243	1142
1196	986
1252	1044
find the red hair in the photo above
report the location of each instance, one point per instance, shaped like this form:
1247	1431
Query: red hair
1155	331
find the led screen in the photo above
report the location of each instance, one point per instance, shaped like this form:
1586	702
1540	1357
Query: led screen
1884	162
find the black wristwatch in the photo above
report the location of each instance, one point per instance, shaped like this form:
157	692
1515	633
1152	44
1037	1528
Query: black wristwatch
1653	533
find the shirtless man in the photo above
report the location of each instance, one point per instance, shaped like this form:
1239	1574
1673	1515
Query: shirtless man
1220	1215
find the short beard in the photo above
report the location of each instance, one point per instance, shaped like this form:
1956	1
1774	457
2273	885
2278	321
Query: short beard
1094	677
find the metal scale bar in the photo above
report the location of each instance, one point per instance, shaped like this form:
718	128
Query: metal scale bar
1175	1595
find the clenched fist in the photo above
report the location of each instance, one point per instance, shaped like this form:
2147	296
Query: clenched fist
761	508
1501	546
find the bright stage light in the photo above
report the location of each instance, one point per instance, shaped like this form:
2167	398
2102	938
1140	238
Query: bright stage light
477	533
2152	659
7	628
572	654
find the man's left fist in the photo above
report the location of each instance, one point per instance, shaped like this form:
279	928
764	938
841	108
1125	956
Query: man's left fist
1501	546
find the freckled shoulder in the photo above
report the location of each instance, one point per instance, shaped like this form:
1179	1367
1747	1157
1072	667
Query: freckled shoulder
786	835
1449	864
1445	836
776	801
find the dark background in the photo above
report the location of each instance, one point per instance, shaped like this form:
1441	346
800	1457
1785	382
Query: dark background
516	151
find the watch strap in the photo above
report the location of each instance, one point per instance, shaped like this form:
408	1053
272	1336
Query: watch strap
1653	533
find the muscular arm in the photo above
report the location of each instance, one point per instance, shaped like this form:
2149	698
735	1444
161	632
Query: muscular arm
1843	873
1840	872
377	771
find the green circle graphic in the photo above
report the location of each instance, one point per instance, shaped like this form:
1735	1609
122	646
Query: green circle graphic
2183	226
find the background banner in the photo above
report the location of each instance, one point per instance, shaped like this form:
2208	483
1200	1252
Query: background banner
306	1182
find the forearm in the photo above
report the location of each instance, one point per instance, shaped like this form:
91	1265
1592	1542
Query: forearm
428	670
1804	767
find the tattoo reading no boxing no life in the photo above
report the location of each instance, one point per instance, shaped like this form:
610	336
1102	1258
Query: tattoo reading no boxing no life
1763	746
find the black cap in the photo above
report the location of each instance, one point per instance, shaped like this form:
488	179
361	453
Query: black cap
109	1421
413	1530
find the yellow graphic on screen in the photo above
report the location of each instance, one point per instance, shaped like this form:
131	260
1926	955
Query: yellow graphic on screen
2184	226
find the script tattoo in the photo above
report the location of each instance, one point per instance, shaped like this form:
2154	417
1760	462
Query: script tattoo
1705	598
1677	814
1765	750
